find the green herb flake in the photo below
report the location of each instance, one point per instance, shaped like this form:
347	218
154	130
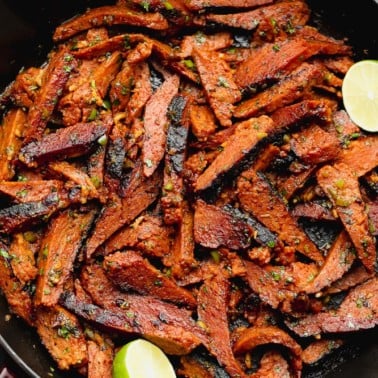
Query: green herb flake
102	140
93	115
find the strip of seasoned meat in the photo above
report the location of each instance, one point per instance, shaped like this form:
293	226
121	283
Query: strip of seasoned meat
108	16
340	184
182	259
22	257
76	175
169	326
252	337
285	92
54	80
62	335
130	271
202	120
339	259
212	299
287	15
218	82
276	60
18	299
175	156
66	142
58	252
30	191
20	216
215	227
257	197
272	364
313	210
196	5
351	156
12	128
313	145
118	212
318	349
147	234
358	311
155	123
100	358
242	142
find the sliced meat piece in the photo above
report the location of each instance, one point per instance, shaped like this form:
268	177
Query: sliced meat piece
130	271
53	81
285	92
66	142
20	216
211	42
96	169
175	156
182	259
12	128
195	365
276	60
18	299
30	191
270	63
76	175
196	5
287	116
58	252
203	123
155	121
216	140
242	142
169	326
340	184
148	234
313	210
108	16
358	311
218	82
354	277
215	227
338	261
257	197
287	15
62	335
100	358
318	349
343	126
213	298
139	194
252	337
313	145
351	156
22	258
141	93
121	42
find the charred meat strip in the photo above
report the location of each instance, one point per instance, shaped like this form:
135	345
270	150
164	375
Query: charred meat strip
66	142
155	121
218	83
200	4
357	311
341	186
57	254
213	300
287	16
12	128
285	92
246	137
108	16
257	197
54	80
129	271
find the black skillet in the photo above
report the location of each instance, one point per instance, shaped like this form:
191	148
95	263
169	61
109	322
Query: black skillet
25	38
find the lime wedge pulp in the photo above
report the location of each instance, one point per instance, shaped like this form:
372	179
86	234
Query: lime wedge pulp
360	94
142	359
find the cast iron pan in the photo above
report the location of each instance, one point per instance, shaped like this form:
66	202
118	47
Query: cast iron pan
25	38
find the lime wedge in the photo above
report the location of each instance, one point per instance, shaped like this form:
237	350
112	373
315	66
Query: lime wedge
141	359
360	94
